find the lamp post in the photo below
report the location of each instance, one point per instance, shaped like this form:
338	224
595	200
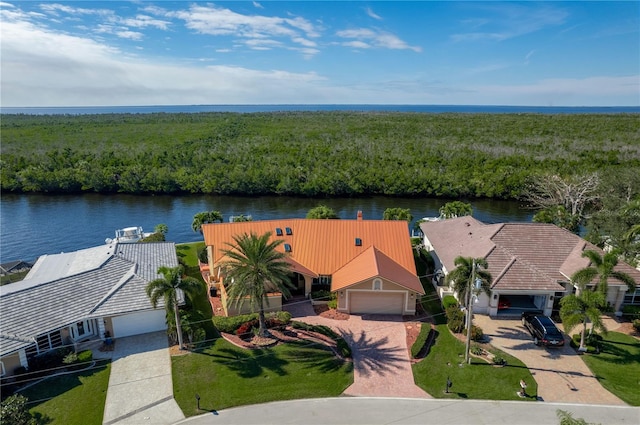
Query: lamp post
198	401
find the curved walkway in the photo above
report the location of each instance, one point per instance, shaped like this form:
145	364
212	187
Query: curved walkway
382	367
561	374
140	385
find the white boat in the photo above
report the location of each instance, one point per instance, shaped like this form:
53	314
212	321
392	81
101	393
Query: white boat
128	235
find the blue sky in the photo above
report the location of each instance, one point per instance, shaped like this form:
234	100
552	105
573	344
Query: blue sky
112	53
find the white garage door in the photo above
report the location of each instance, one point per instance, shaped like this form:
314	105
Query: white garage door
376	302
139	323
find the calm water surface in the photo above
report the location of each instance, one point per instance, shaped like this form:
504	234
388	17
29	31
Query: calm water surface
33	225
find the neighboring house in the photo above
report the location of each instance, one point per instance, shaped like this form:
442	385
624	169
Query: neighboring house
368	263
14	267
72	297
531	263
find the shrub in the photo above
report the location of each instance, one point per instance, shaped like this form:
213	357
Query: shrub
203	255
231	324
85	356
70	358
154	237
332	304
476	333
498	359
592	342
631	312
636	325
476	349
13	410
321	295
449	301
283	316
246	329
455	319
417	346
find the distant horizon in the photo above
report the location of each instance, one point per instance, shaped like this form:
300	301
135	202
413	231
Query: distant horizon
473	53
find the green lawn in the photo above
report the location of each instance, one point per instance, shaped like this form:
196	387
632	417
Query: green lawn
225	375
479	380
71	399
188	252
617	367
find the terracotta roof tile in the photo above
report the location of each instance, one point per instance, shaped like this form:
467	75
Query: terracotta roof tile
322	246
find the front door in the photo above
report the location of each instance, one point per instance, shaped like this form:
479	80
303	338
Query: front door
82	329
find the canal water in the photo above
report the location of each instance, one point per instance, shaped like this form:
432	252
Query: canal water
34	225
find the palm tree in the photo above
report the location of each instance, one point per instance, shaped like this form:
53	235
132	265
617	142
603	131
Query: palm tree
583	308
601	266
167	288
397	214
461	277
322	212
255	268
205	217
455	209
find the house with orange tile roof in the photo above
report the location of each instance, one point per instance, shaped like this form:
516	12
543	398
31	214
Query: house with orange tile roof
531	263
368	264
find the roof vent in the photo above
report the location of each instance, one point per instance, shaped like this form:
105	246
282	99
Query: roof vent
287	247
358	242
359	215
289	231
278	231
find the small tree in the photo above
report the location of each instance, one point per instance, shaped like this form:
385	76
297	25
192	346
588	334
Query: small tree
455	209
397	214
167	288
161	228
602	267
559	216
14	411
205	217
255	268
322	212
581	309
461	278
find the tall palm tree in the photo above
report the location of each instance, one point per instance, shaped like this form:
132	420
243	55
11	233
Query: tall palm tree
205	217
255	267
461	277
455	209
167	288
583	308
601	266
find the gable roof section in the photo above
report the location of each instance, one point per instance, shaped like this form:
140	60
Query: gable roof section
373	263
115	287
453	237
321	246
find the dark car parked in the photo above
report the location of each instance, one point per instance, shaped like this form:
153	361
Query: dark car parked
542	329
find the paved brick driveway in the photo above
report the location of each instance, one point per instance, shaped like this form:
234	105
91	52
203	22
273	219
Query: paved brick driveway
561	374
382	367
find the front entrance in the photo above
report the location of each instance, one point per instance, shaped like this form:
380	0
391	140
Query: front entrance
297	284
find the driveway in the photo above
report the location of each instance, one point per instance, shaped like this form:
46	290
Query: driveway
382	367
561	374
140	385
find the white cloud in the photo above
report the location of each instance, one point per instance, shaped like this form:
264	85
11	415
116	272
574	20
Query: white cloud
372	14
257	5
511	20
372	38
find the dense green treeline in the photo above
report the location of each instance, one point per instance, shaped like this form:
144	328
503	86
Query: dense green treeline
310	153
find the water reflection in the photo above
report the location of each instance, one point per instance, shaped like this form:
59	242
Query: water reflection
33	225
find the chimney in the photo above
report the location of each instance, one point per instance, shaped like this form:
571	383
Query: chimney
359	216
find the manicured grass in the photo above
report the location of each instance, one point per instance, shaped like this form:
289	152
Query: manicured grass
617	367
188	252
71	399
479	380
225	375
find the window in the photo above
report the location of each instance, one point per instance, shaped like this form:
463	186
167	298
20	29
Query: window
82	329
377	284
358	242
325	279
287	247
278	231
289	231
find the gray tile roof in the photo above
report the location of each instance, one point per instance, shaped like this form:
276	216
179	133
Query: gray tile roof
115	287
521	256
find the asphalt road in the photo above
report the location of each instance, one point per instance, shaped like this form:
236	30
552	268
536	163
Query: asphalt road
378	411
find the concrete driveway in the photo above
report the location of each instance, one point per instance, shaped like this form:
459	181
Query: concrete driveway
561	374
140	385
382	367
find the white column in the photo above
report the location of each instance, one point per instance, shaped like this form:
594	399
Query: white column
101	327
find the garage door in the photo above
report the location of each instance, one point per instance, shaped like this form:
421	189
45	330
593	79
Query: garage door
139	323
376	302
